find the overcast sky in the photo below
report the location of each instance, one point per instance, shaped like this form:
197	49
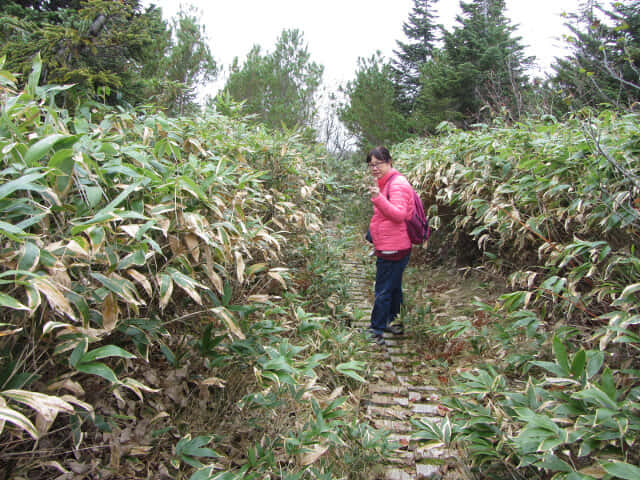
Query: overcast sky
337	32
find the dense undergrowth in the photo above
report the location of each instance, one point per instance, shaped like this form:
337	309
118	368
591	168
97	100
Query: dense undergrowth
553	206
169	306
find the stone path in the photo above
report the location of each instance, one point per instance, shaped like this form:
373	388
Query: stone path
396	395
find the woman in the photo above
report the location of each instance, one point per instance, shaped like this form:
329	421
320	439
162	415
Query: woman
392	199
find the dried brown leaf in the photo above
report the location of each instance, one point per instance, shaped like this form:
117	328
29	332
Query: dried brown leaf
56	299
176	245
311	457
278	277
141	279
214	381
131	230
211	273
110	312
193	245
67	384
226	316
239	266
76	248
164	224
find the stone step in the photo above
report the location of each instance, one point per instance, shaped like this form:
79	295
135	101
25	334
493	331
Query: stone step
422	388
425	409
428	472
403	439
400	458
393	426
392	413
437	451
402	350
387	388
398	474
398	390
378	399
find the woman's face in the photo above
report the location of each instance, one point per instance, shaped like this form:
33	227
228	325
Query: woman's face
378	168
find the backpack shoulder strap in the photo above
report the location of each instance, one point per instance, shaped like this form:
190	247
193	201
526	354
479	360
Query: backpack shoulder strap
388	184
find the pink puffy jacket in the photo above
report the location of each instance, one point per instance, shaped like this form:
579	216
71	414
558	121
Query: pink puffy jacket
387	226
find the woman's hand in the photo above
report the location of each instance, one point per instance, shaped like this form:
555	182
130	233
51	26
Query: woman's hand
374	190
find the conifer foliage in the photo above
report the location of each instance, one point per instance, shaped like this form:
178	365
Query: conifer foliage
487	59
479	64
121	52
420	29
605	63
279	86
371	110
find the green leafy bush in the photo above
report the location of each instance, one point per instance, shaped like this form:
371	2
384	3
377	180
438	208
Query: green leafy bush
553	205
149	294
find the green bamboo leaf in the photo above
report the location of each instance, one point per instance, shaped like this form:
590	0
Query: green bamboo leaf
10	302
134	258
551	367
63	163
30	257
205	473
93	194
194	447
19	420
192	187
120	198
594	362
608	383
187	284
554	463
11	231
121	287
596	396
166	288
104	352
578	363
349	369
34	76
41	147
97	219
622	470
25	182
98	368
33	298
97	236
561	355
78	352
629	290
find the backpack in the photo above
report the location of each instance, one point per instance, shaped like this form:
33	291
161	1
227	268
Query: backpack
418	225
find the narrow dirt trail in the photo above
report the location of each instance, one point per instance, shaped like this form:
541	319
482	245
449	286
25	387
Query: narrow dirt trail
403	385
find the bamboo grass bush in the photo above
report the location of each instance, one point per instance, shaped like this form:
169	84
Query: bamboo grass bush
553	205
148	309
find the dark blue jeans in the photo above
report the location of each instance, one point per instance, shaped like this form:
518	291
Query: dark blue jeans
388	292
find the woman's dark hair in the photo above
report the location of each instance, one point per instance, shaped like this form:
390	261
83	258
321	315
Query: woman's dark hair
381	153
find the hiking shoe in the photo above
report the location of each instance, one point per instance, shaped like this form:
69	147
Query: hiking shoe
397	329
375	337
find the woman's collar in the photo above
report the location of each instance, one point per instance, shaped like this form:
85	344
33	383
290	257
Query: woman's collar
383	180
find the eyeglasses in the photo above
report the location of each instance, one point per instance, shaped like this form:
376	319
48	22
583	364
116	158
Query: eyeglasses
375	165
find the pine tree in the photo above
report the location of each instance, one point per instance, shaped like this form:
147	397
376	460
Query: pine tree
280	87
114	47
189	63
420	29
435	102
604	67
370	112
488	61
